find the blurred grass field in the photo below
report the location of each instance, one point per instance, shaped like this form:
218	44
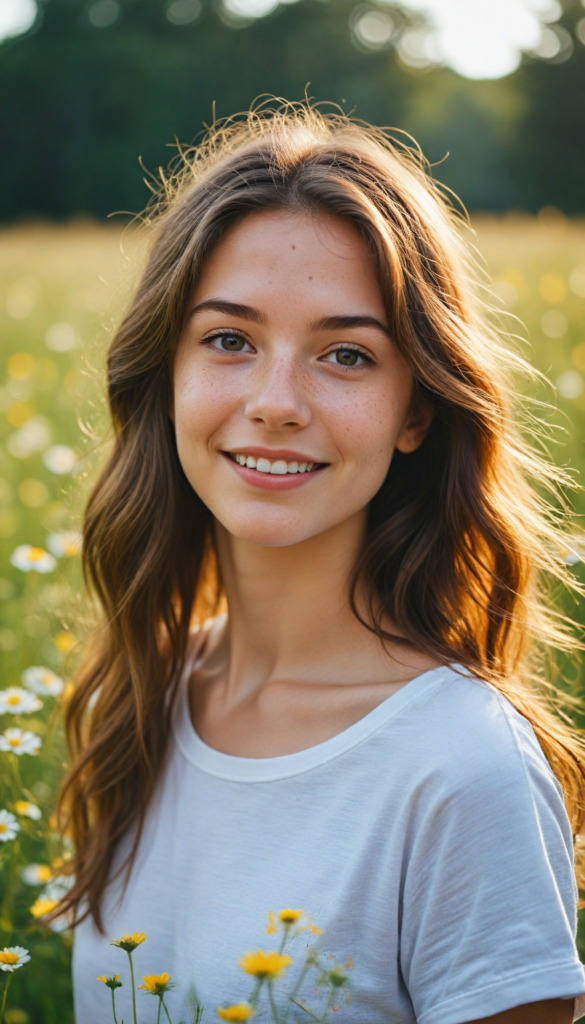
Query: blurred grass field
60	291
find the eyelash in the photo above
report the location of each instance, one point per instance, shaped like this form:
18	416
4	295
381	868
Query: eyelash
340	348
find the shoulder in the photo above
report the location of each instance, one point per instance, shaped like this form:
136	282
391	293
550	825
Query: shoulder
469	737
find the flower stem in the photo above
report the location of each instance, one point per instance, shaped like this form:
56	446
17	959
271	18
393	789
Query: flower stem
300	1005
255	993
133	988
165	1009
8	980
273	1004
327	1005
113	1006
159	1007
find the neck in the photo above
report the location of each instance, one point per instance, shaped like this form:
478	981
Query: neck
289	611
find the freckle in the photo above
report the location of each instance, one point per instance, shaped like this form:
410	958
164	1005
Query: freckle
293	246
310	278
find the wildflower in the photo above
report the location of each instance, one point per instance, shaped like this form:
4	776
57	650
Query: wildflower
42	680
64	545
157	984
238	1012
58	886
129	942
36	874
16	701
12	957
8	826
26	558
42	907
15	741
265	965
289	919
113	982
60	458
33	436
27	810
337	977
64	641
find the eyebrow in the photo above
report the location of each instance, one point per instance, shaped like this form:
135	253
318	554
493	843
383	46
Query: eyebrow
326	323
230	309
343	323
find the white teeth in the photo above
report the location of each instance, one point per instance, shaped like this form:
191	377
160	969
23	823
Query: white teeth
278	468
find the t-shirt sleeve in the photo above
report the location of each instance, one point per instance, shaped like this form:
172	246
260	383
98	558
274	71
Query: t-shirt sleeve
489	895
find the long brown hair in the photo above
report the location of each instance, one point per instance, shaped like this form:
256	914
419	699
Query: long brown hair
460	540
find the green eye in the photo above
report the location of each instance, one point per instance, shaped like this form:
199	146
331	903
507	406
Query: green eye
345	357
231	342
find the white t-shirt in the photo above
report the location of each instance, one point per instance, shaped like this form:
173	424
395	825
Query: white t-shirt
429	841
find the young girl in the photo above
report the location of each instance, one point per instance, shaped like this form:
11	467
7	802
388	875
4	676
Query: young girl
313	434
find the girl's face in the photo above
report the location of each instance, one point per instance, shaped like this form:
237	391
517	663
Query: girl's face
289	394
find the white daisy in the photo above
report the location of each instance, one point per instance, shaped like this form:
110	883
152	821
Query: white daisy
60	458
26	558
58	887
67	544
28	810
36	874
8	826
12	957
16	701
42	680
33	436
17	741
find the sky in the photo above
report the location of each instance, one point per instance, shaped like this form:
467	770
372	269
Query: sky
476	38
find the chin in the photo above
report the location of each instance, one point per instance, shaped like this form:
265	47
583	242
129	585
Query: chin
270	531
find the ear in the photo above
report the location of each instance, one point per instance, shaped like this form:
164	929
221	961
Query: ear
415	427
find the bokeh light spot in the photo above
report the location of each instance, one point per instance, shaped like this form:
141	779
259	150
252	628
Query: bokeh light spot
20	365
183	12
570	384
554	323
552	288
33	493
103	13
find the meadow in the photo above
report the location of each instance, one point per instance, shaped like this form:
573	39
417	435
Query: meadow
61	290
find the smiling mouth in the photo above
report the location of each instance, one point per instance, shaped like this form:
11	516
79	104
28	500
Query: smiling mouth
275	467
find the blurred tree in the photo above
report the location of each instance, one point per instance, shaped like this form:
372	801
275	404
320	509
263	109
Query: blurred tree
96	85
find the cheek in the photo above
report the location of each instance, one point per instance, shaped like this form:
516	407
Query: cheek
201	405
366	423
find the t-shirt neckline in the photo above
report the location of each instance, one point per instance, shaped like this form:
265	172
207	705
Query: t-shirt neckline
231	768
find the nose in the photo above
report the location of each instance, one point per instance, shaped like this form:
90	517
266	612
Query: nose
278	401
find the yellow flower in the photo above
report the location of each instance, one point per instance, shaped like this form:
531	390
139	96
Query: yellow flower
265	965
289	916
156	984
43	906
64	641
238	1012
291	919
113	982
129	942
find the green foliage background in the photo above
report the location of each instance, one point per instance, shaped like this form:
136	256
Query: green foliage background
79	104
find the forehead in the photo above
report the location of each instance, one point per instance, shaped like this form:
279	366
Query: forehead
312	259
